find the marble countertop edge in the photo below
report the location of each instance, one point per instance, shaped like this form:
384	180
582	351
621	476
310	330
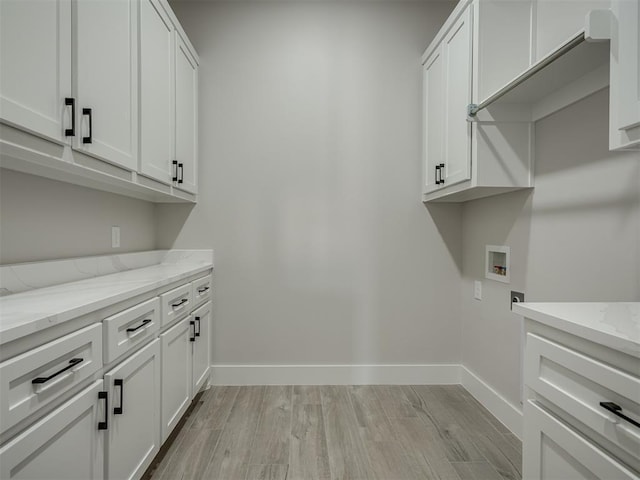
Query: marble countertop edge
613	324
19	316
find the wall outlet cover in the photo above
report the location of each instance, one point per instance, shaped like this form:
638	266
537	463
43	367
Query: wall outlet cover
477	290
115	237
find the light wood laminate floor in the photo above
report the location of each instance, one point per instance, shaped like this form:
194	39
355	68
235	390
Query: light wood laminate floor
339	432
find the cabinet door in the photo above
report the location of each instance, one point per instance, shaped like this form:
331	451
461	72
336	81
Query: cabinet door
201	347
35	78
156	98
106	74
552	450
625	76
66	444
456	51
186	117
433	115
134	415
176	374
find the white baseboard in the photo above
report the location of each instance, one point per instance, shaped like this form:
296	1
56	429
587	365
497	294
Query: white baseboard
501	408
335	374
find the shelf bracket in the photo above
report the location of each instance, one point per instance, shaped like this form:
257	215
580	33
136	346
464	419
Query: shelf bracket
598	25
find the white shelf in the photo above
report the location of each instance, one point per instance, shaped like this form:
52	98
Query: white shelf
575	69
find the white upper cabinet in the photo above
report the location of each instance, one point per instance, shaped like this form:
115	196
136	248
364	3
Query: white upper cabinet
35	78
464	160
625	76
106	79
186	121
456	52
156	92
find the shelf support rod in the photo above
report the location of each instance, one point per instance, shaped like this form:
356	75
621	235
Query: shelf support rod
473	109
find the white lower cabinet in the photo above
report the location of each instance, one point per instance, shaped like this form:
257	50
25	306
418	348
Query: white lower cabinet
176	374
66	444
559	453
201	319
134	414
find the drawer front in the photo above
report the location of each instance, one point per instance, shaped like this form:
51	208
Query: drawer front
201	290
553	451
125	330
64	444
578	383
34	379
176	303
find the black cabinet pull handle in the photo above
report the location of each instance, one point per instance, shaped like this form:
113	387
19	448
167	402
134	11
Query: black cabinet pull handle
104	396
441	170
175	171
146	321
118	382
203	289
181	167
197	319
192	324
437	172
71	132
176	305
72	363
617	410
89	139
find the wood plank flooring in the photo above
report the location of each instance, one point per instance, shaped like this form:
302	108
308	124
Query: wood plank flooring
339	433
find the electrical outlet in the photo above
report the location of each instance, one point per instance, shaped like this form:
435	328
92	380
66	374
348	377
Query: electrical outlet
477	290
516	297
115	237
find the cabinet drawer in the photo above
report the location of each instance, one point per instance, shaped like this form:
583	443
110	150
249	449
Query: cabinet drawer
64	444
201	290
577	384
34	379
175	303
554	451
134	326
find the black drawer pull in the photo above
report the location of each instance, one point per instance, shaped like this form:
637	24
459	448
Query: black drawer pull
197	332
89	139
146	321
118	382
103	396
437	174
441	170
192	324
181	167
617	410
203	289
72	363
175	171
71	132
176	305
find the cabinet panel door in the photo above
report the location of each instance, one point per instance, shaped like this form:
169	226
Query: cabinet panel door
456	49
156	98
186	116
134	430
176	374
625	76
66	444
35	78
552	450
201	346
433	115
106	74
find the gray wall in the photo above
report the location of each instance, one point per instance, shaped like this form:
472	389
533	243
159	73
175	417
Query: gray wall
42	219
575	237
310	137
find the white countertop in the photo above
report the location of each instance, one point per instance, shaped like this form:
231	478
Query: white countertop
615	325
28	312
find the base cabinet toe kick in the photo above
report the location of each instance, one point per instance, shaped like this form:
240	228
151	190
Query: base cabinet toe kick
99	402
582	401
